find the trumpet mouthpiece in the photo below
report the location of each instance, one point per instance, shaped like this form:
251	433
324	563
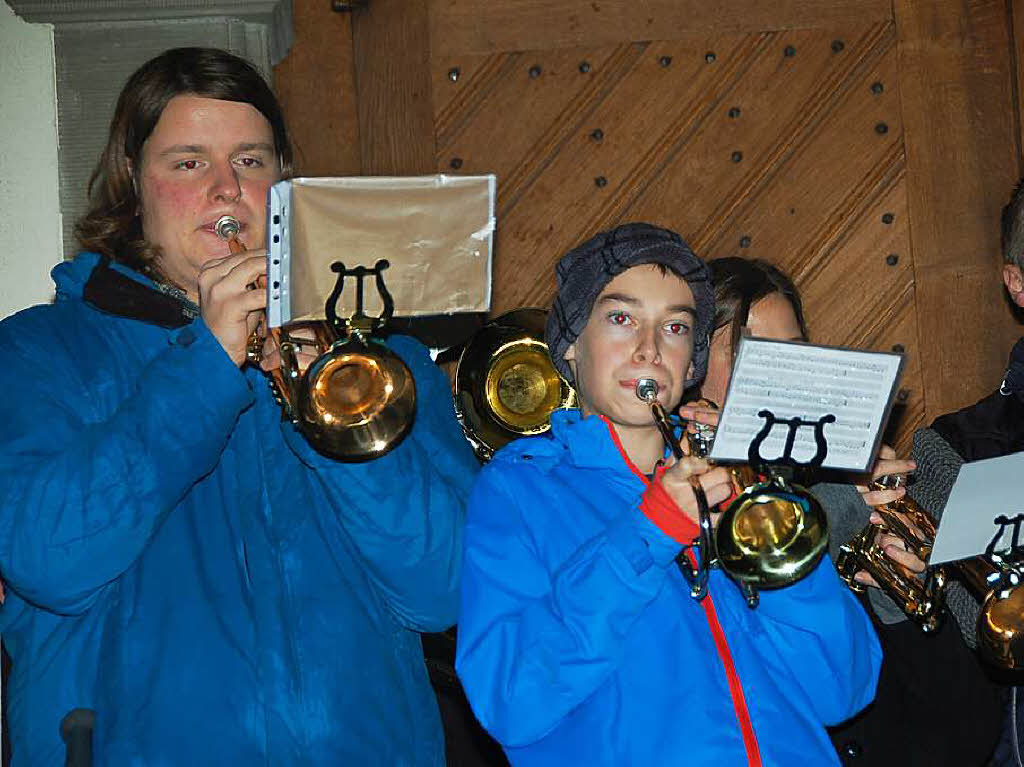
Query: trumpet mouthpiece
647	389
227	227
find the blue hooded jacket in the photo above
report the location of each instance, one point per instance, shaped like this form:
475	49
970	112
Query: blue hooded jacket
579	642
180	560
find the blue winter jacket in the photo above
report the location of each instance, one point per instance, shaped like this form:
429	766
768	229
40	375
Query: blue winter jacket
580	644
181	561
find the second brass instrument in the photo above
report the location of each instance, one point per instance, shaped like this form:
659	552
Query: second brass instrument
993	581
774	532
506	386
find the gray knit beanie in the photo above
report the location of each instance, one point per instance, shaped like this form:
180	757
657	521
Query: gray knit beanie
583	272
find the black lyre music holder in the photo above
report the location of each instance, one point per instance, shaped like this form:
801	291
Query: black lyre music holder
1002	522
755	459
360	321
1007	575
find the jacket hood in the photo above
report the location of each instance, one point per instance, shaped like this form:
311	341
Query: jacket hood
69	277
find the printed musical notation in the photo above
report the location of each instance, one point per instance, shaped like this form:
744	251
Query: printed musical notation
795	380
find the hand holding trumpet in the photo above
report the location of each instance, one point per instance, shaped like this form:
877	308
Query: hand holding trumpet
232	302
895	547
685	475
228	304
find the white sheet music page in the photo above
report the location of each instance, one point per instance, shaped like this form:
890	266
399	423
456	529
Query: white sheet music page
985	502
773	380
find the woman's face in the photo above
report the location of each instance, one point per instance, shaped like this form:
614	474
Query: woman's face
205	158
772	317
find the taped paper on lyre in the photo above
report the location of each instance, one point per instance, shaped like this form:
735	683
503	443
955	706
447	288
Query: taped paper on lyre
436	232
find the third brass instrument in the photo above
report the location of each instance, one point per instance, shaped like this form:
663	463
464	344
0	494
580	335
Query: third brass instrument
506	385
356	400
772	535
992	580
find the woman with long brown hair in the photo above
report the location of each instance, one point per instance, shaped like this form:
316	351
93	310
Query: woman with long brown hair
176	557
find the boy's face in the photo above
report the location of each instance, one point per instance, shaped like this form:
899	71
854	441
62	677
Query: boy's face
641	326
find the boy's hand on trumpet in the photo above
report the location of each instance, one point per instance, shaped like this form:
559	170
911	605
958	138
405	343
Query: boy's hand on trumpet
677	479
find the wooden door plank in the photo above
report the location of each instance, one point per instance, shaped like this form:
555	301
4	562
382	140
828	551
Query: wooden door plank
393	85
768	117
316	86
958	121
818	188
486	26
1017	55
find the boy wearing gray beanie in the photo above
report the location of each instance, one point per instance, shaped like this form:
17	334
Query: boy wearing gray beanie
579	642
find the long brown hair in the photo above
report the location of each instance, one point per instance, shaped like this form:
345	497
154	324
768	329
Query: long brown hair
112	225
739	283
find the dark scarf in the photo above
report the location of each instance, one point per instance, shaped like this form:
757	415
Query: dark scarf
115	293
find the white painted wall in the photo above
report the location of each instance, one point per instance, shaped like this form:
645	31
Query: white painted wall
30	220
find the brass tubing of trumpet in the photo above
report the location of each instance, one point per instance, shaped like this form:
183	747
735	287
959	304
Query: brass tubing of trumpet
647	390
666	429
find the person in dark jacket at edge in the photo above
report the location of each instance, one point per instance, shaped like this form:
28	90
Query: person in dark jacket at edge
176	557
943	680
935	703
579	642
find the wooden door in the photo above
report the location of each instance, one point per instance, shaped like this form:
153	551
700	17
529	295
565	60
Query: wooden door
865	147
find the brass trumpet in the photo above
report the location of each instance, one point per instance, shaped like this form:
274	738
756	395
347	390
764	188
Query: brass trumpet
992	580
356	400
506	385
772	535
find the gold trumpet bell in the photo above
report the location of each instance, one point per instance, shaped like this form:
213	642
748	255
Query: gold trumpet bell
522	387
1001	630
357	400
506	385
773	534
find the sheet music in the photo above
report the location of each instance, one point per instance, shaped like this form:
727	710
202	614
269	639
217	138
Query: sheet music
797	380
984	492
436	232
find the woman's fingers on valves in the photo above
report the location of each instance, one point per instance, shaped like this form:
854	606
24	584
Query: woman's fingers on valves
699	414
881	497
